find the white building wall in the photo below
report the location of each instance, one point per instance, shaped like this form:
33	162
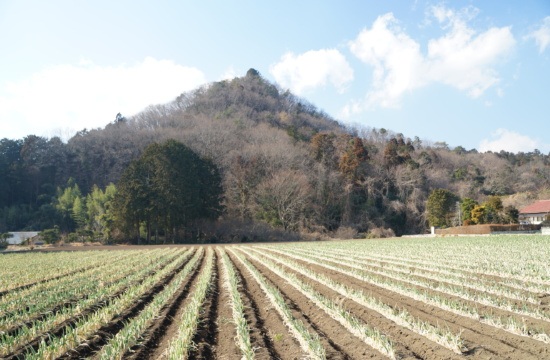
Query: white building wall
19	237
533	218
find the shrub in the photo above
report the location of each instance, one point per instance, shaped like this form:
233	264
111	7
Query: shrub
345	232
50	236
380	232
72	238
4	240
237	231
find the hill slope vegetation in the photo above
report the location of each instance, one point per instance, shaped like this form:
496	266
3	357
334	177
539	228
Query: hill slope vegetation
283	163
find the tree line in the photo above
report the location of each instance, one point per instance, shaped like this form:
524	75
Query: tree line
282	164
445	209
161	194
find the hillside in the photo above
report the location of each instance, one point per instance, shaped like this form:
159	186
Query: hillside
284	163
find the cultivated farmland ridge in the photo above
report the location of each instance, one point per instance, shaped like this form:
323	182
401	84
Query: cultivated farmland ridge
424	298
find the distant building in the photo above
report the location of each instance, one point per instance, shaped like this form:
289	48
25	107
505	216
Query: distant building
535	213
21	236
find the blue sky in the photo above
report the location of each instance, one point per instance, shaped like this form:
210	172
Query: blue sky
469	73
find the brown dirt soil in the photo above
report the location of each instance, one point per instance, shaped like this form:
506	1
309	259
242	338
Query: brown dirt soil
166	327
483	341
206	337
260	338
416	347
410	264
155	347
68	302
99	339
274	334
313	318
485	229
532	322
215	338
421	274
224	329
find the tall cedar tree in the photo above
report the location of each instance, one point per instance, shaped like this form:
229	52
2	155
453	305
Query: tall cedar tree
166	189
440	205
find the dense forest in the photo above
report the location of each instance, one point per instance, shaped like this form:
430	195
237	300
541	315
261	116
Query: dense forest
284	166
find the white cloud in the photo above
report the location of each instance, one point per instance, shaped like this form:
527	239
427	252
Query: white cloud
503	139
541	35
312	69
461	58
396	59
88	96
229	74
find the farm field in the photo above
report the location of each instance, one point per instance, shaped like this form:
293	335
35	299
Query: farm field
421	298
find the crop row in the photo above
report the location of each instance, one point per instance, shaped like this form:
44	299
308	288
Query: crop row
481	295
23	270
73	336
510	319
399	316
102	298
166	304
19	307
132	331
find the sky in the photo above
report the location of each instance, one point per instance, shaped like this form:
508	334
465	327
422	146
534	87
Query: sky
468	73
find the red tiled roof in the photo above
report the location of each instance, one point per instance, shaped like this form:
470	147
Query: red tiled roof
542	206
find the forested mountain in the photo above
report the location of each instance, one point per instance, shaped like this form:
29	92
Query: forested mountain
283	163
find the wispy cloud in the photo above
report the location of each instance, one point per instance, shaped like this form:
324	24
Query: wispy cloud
462	58
86	95
312	69
541	35
507	140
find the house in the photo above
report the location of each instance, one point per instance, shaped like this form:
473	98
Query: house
20	237
535	213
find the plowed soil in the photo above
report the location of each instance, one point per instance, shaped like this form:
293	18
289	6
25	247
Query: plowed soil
216	335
